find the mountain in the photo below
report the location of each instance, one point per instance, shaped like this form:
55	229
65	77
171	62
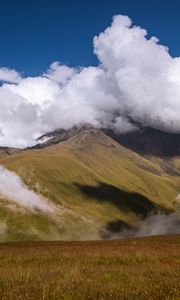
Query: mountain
144	140
59	135
149	141
4	151
100	184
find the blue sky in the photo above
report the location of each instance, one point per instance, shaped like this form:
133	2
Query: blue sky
36	33
138	80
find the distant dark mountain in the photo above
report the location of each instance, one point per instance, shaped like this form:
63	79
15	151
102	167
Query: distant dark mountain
149	141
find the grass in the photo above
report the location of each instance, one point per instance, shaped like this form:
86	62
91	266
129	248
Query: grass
81	175
142	268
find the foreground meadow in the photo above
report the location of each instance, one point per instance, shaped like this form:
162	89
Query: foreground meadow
141	268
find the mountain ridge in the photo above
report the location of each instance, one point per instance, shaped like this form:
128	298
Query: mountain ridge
4	151
143	140
101	189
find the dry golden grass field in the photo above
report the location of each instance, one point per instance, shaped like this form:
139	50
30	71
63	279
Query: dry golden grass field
141	268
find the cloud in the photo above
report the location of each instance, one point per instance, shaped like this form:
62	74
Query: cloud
154	224
136	79
9	75
60	73
145	77
160	224
14	190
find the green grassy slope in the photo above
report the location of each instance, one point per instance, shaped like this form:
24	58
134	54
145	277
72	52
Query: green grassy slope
94	181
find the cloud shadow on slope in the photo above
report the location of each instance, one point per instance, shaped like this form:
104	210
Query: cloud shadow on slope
123	200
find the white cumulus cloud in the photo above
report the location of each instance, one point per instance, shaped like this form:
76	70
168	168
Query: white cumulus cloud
9	75
136	79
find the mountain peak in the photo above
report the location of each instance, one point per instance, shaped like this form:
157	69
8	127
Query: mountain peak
144	140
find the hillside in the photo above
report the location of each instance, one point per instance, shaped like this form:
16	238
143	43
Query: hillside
149	141
98	187
5	151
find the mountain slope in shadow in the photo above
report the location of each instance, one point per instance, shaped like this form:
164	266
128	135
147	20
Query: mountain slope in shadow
124	200
148	141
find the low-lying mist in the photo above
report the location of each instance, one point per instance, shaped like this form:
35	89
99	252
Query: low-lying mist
14	190
160	224
154	224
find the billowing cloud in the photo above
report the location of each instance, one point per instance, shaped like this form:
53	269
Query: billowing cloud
146	79
136	79
9	75
60	73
